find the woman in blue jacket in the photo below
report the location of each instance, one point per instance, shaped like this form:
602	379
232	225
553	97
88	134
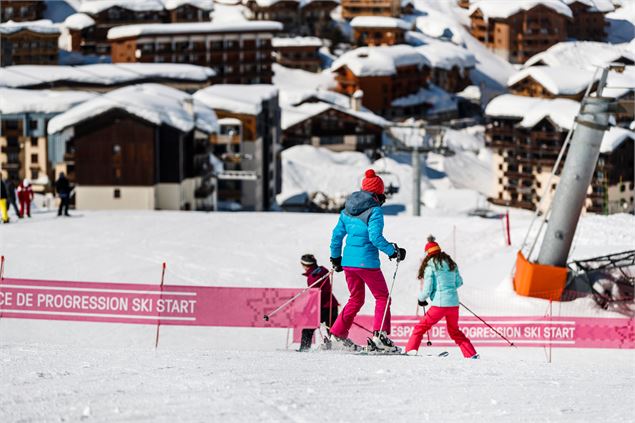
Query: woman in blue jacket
441	280
362	223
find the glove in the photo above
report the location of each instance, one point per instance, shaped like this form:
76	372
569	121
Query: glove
337	263
399	254
422	303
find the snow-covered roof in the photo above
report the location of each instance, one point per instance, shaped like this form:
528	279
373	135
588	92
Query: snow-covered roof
582	54
79	21
154	103
201	4
496	9
242	99
614	137
379	61
43	26
439	99
40	101
603	6
561	80
100	74
226	13
380	22
127	31
296	42
620	84
292	115
531	110
446	55
94	7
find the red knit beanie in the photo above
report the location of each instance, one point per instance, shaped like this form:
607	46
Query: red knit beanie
432	247
372	183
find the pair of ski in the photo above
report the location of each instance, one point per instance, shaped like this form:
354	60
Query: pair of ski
372	349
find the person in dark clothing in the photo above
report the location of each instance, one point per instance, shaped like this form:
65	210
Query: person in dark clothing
12	198
4	195
63	189
328	303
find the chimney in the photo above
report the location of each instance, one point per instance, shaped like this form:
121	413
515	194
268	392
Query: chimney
356	100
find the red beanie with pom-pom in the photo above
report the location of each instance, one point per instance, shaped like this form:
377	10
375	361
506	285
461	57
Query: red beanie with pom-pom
372	183
432	247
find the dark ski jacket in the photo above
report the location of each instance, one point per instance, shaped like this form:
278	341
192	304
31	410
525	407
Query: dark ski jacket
62	187
327	299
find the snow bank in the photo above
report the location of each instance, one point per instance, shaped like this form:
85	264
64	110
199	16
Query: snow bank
560	80
614	137
78	21
379	22
157	104
494	9
128	31
43	26
379	61
530	110
245	99
100	74
40	101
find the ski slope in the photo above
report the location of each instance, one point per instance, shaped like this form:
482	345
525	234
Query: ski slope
72	371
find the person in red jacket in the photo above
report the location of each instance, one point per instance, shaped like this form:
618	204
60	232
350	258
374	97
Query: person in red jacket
328	303
25	196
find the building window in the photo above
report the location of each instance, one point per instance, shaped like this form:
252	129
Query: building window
34	141
622	187
33	124
116	193
33	158
35	174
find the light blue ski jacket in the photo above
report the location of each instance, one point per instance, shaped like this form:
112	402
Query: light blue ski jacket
362	223
440	284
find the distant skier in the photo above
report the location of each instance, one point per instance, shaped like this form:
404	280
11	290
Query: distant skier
441	280
362	223
25	196
4	196
63	189
12	199
328	302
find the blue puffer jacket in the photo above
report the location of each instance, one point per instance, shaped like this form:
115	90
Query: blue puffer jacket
440	284
362	222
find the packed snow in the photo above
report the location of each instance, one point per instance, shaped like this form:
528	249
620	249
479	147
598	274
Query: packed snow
41	101
94	7
582	55
494	9
78	21
157	104
558	80
531	110
438	99
379	61
206	5
444	55
43	26
379	22
236	98
296	42
614	137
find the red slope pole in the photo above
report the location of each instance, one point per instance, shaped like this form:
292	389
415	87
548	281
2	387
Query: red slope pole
1	268
156	341
509	237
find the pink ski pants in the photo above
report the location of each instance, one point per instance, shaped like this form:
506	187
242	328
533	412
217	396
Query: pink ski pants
433	316
357	279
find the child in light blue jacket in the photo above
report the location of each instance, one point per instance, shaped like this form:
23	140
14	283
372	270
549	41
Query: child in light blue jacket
441	279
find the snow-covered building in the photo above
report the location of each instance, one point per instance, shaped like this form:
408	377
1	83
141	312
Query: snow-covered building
25	150
354	8
239	52
450	65
89	27
526	135
552	82
298	52
252	114
29	42
588	21
21	10
516	30
584	55
300	17
139	147
379	30
106	77
389	77
324	124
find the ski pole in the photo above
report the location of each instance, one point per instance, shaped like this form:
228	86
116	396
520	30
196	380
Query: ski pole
511	344
429	343
394	276
363	328
296	296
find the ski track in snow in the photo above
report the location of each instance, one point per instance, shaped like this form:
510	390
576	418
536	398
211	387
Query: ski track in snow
49	383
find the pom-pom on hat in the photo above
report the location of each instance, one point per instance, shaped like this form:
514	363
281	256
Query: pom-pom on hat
308	260
372	183
432	247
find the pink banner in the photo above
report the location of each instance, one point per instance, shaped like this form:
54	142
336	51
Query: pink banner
149	304
562	332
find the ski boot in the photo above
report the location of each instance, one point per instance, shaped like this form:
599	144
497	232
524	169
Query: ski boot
380	343
341	344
